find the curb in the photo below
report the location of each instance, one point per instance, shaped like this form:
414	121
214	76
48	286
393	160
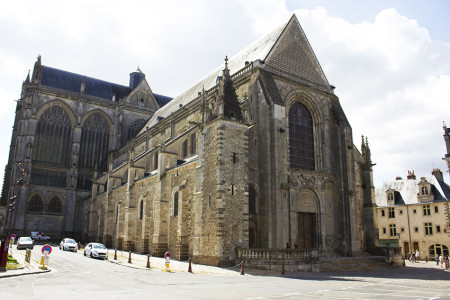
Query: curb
23	274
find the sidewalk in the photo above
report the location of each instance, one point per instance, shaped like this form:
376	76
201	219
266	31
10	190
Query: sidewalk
139	261
25	268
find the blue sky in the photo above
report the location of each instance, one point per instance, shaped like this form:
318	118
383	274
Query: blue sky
389	60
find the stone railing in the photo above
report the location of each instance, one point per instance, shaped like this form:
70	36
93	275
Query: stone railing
277	253
272	259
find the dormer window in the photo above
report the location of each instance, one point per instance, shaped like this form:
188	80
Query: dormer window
390	196
425	193
142	103
424	190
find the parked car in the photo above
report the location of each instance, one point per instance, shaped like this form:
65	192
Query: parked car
68	244
96	250
24	242
39	236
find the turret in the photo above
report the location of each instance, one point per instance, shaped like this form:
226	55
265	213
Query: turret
135	78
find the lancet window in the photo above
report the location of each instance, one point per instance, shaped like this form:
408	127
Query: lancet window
54	206
94	143
53	137
35	204
301	137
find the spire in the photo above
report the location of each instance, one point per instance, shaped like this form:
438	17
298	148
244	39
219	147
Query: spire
37	71
27	80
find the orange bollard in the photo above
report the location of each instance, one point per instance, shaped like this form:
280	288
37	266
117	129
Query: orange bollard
242	268
282	269
190	266
129	257
115	254
148	261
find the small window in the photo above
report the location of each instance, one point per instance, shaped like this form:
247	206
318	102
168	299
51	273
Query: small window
401	211
141	210
234	157
232	189
428	229
155	161
392	230
436	209
390	196
185	148
175	204
193	145
403	229
414	211
391	212
426	210
424	190
382	212
384	230
438	228
416	229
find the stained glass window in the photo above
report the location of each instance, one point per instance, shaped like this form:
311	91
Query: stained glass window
53	137
55	206
94	143
35	204
301	138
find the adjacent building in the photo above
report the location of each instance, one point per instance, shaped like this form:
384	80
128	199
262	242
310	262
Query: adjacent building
414	214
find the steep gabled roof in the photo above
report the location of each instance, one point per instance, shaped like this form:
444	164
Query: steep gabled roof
408	189
287	40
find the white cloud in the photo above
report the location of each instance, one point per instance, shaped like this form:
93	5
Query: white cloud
392	80
391	77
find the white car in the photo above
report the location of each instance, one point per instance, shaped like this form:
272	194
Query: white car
96	250
24	242
68	245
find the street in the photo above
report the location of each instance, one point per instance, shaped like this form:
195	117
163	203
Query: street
74	276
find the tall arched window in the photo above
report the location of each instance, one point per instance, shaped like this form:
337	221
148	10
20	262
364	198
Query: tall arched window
301	138
53	137
35	204
94	144
54	206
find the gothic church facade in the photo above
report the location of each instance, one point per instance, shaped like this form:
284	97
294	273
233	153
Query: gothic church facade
259	154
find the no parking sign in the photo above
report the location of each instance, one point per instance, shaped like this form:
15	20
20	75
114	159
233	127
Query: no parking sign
167	257
46	250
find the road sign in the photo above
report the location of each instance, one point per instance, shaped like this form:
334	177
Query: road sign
47	248
12	236
167	257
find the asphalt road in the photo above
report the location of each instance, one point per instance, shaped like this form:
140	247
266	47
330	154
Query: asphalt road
74	276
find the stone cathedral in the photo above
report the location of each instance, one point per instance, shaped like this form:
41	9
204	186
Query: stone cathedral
257	155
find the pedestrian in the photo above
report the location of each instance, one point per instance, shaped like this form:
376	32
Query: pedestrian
409	256
446	262
437	260
441	260
417	255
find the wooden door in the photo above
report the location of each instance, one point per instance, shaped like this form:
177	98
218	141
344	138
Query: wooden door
306	233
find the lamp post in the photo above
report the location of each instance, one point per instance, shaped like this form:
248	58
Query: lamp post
5	241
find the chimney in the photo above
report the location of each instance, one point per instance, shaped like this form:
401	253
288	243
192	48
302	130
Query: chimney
398	178
411	175
438	174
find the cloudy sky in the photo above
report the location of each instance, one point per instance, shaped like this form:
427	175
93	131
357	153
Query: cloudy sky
389	60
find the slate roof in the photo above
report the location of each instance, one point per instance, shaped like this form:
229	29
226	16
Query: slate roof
69	81
406	191
256	51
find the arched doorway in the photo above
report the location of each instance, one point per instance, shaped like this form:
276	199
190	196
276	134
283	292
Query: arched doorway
305	214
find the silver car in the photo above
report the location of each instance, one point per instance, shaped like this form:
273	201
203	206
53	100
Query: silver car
96	250
24	242
68	244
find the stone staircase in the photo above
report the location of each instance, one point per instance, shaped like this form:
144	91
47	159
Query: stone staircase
329	264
